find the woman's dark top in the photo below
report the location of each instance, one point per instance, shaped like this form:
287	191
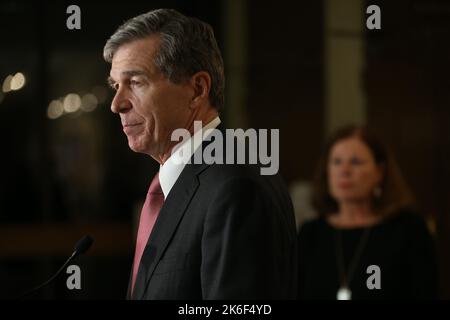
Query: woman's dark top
401	246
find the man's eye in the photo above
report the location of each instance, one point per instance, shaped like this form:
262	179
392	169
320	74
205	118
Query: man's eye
135	83
114	86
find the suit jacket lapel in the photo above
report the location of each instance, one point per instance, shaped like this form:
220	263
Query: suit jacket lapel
170	215
128	297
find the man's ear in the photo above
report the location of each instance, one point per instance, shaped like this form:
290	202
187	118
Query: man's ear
201	83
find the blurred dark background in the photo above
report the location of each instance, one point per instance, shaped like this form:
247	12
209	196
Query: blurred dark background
304	67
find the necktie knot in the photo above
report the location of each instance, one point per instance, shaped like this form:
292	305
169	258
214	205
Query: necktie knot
155	186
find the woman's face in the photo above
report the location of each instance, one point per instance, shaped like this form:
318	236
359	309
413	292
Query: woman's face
352	171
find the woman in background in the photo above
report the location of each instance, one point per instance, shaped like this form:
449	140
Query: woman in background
367	243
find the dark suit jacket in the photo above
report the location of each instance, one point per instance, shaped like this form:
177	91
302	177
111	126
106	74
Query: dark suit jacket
224	232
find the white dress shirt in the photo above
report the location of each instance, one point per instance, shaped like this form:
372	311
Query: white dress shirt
172	168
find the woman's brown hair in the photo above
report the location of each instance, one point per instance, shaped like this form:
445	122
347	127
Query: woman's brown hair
395	194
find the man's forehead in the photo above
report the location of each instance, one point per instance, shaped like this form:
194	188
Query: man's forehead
134	57
140	49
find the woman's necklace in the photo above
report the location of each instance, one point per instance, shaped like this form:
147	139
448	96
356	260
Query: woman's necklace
344	292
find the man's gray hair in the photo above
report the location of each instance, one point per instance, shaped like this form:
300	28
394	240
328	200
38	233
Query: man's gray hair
187	46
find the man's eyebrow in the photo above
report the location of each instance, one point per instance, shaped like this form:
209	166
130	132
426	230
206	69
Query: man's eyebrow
128	73
131	73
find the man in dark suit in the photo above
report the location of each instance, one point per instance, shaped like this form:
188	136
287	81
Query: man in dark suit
207	231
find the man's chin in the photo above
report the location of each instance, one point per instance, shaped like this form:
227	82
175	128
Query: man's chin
135	146
140	146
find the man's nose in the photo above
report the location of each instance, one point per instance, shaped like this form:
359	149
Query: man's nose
120	103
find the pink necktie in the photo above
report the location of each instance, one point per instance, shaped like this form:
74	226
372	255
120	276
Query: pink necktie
149	213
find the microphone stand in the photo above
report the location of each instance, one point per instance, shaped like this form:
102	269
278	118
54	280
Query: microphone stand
80	247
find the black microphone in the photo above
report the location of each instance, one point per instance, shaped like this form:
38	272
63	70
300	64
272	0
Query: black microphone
80	247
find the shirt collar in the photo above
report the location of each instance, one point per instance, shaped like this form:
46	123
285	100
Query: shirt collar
172	168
